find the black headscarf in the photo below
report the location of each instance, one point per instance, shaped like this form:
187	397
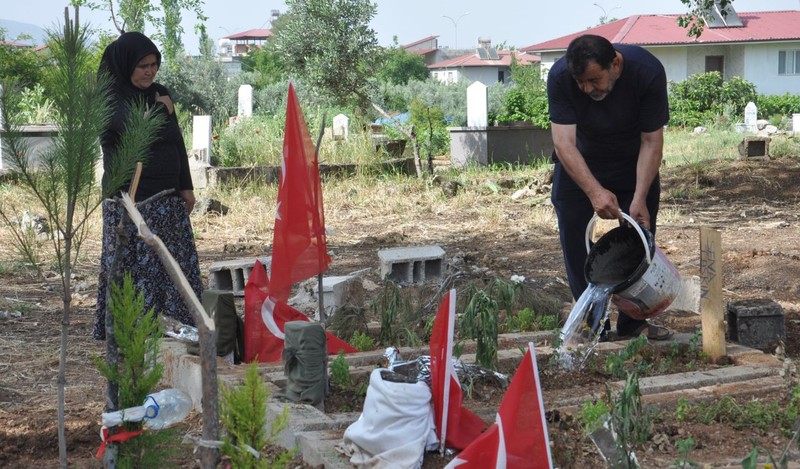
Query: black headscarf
120	59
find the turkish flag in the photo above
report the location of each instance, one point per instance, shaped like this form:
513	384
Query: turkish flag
518	439
456	426
299	249
264	318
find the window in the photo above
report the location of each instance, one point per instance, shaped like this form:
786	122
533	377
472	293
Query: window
715	63
789	62
501	76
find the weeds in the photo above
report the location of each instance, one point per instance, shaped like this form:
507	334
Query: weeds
630	356
685	447
362	342
757	414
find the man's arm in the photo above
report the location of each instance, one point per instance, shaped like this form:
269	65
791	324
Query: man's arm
604	202
650	154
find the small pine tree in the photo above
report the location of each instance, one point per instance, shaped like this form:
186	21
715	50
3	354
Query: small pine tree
243	414
137	371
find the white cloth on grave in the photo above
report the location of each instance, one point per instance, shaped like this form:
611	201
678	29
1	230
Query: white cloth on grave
395	427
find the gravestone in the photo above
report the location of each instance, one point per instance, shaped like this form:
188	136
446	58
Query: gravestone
245	101
751	117
201	138
340	127
477	105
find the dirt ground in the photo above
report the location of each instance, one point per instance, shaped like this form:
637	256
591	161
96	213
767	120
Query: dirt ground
754	203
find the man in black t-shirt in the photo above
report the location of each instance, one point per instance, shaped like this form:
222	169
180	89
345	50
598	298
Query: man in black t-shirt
608	107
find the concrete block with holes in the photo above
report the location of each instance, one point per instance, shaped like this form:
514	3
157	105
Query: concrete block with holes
232	275
414	264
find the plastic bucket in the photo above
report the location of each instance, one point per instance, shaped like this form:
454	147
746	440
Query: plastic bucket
644	281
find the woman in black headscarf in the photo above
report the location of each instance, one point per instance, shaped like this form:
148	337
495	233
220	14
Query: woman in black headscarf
165	188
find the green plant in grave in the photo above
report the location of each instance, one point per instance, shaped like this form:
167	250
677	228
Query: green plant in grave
616	363
387	305
137	371
685	446
362	341
591	413
340	371
243	414
629	417
479	322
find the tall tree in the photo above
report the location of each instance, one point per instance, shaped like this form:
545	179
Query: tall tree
331	45
64	182
401	66
163	15
694	21
172	30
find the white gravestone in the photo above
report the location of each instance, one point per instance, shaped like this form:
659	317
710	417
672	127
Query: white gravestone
751	117
477	105
201	137
340	127
245	101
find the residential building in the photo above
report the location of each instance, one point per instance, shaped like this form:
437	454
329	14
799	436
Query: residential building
428	48
485	64
760	47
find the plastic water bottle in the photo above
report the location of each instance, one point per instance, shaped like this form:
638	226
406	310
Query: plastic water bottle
166	408
160	410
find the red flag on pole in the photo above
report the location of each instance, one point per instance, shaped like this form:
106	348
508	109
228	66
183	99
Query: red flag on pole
518	439
456	426
299	249
264	318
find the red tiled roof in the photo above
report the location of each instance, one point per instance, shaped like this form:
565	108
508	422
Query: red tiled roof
251	35
420	41
422	51
472	60
664	30
14	44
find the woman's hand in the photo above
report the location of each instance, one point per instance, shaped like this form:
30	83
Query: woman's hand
188	198
166	101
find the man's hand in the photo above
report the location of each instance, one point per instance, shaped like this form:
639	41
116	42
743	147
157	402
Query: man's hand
188	197
166	101
640	213
605	204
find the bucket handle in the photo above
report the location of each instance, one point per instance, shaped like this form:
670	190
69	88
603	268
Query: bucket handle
633	223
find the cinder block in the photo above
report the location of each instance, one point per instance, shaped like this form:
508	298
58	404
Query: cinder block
232	275
754	147
757	323
414	264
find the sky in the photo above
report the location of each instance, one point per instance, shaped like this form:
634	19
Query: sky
458	23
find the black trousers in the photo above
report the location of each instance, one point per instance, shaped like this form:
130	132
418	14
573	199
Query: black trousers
574	210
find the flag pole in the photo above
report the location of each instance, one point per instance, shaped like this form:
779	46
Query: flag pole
322	316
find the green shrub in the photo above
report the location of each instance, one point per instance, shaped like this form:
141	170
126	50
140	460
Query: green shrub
362	342
243	415
783	105
702	97
340	371
138	334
